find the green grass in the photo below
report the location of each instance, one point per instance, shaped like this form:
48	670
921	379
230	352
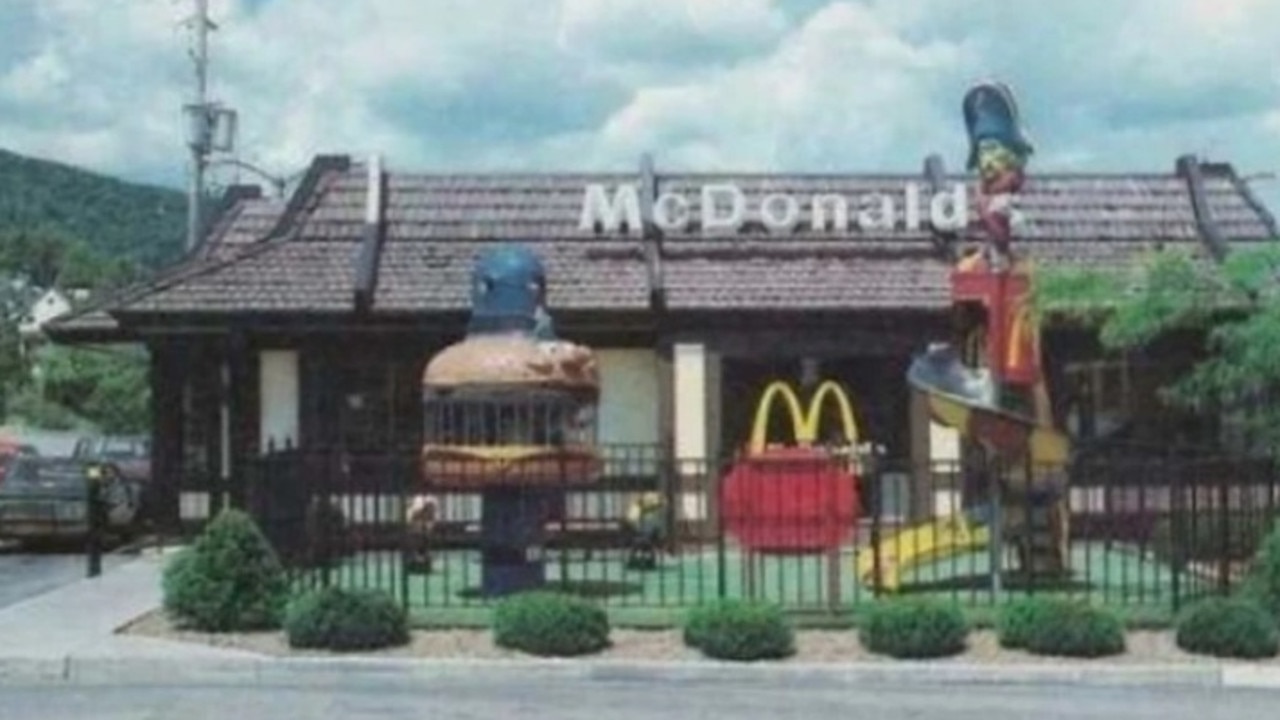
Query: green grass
1114	576
1140	589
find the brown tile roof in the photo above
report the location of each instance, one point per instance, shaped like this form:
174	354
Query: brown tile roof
247	221
436	224
605	275
88	326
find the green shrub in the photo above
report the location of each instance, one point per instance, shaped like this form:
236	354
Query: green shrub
1019	618
1262	585
550	624
28	407
738	630
1072	629
337	619
914	629
1225	627
228	580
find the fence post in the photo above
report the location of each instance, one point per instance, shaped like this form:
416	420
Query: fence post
1224	521
402	483
714	499
94	511
874	484
1000	490
1177	531
332	462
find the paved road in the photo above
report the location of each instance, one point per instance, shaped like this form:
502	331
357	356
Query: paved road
25	574
478	699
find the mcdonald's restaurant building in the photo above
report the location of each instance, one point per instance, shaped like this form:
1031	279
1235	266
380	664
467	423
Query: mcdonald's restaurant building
306	322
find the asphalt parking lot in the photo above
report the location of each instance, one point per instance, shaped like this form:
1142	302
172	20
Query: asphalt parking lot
26	571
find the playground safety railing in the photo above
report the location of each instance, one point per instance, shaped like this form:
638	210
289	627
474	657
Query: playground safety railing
1143	532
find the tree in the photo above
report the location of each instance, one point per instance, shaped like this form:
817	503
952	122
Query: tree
1236	303
15	299
47	258
107	387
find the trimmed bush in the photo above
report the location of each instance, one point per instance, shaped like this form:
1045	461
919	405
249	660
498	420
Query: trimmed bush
550	624
1262	585
1230	628
1019	618
344	620
1072	629
914	629
228	580
738	630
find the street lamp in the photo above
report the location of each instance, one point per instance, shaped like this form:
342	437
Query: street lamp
276	181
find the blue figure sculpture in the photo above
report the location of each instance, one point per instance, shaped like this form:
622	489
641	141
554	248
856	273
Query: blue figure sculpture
508	291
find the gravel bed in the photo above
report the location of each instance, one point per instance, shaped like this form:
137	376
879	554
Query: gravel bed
813	646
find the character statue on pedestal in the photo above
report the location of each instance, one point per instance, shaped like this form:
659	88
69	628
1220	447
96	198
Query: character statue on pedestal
998	150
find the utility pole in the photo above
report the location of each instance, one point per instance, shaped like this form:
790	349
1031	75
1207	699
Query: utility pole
210	126
197	111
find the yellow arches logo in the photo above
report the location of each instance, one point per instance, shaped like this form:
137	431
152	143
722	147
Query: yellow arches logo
1024	342
805	423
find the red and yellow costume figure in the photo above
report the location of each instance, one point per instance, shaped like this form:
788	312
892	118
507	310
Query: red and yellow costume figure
998	150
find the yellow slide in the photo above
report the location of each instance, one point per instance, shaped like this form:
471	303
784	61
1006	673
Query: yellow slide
930	540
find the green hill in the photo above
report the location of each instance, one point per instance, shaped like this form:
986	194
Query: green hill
117	220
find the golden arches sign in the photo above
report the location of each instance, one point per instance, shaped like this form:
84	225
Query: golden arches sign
804	422
1024	340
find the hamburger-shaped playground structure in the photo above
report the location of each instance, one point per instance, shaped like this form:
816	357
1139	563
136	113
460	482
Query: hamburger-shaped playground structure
510	415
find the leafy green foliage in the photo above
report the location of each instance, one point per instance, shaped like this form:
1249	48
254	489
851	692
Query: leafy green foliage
1262	585
550	624
1019	618
140	224
108	387
344	620
1236	303
1075	629
228	580
912	628
61	227
1225	627
27	408
13	370
740	630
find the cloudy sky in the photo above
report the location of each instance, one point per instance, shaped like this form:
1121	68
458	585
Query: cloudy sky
859	85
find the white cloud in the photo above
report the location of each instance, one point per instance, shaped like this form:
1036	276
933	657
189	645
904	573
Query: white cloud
749	84
654	39
843	90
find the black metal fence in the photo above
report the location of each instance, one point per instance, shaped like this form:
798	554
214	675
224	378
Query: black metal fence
810	532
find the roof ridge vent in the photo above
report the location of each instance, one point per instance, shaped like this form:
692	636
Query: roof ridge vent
1190	170
367	259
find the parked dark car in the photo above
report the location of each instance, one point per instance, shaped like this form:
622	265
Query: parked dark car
9	452
131	454
47	499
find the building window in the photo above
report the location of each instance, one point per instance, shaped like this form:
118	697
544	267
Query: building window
202	419
1100	398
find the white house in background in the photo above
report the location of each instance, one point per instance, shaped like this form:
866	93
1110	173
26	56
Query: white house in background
52	304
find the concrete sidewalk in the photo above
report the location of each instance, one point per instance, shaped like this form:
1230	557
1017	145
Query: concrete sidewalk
69	636
80	619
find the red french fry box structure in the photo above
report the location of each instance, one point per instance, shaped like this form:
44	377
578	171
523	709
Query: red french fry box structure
800	498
